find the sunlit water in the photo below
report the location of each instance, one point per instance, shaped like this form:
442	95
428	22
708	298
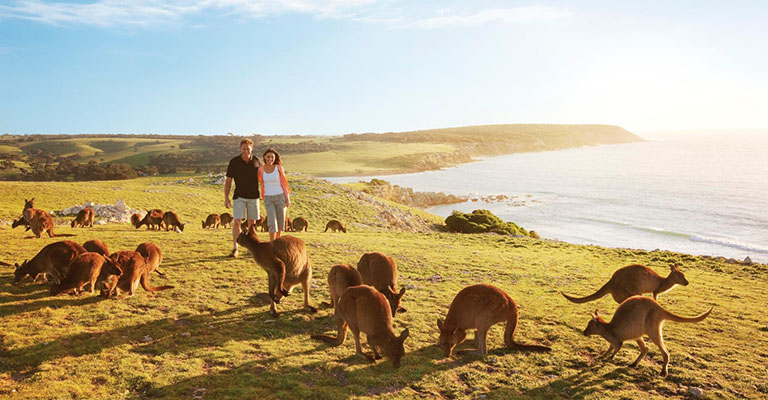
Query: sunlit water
699	196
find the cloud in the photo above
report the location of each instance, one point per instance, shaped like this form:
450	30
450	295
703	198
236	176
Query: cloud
391	13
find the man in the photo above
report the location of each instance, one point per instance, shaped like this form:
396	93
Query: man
244	169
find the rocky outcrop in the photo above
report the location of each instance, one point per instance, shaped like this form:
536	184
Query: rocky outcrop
106	213
407	196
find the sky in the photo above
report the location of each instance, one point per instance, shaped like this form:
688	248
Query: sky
342	66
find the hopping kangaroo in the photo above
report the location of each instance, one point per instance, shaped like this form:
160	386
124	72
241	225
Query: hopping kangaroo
340	277
97	246
53	260
300	224
84	218
85	268
635	317
134	271
152	256
380	272
154	218
635	280
212	221
39	221
226	219
172	221
363	309
334	225
480	307
286	262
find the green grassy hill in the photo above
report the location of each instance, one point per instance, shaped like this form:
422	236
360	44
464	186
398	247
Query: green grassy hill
211	337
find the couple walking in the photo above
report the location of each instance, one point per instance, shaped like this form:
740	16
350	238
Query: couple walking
253	181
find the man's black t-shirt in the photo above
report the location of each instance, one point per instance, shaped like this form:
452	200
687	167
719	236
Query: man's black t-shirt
245	175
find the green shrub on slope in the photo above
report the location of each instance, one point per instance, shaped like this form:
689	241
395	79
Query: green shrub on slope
482	221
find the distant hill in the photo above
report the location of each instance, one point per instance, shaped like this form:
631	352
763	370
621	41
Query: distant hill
98	157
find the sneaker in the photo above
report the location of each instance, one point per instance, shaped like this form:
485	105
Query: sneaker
233	254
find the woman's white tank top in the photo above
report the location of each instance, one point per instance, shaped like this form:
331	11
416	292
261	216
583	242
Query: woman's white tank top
272	183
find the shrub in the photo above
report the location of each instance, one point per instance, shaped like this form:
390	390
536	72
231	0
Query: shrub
481	221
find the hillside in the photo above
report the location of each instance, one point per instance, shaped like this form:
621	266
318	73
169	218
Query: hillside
51	157
211	337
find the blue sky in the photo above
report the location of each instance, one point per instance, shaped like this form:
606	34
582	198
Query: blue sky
341	66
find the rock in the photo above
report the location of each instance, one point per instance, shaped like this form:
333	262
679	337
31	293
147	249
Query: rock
146	339
747	261
186	334
695	392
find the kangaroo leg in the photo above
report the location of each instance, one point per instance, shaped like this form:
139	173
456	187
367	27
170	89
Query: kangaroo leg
273	310
481	336
359	347
616	348
657	339
643	352
305	287
274	293
280	275
607	352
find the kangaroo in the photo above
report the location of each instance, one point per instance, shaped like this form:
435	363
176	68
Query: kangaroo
480	307
363	309
212	221
286	262
39	221
85	268
226	219
134	271
335	226
97	246
380	272
635	280
84	218
340	277
635	317
153	218
172	221
21	222
53	261
300	224
152	256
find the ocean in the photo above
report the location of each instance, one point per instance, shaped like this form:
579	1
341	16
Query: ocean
699	195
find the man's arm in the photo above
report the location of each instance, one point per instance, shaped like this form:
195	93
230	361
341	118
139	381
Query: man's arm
227	187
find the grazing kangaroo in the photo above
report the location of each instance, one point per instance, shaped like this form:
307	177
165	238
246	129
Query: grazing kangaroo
172	221
480	307
380	272
39	221
363	309
153	218
97	246
635	317
635	280
152	256
340	277
134	271
212	221
85	268
300	224
286	262
53	261
226	219
335	226
84	218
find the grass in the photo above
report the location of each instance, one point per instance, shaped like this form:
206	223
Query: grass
212	338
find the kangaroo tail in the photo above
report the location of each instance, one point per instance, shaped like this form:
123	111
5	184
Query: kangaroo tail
159	273
509	334
5	263
600	293
326	229
677	318
145	284
340	336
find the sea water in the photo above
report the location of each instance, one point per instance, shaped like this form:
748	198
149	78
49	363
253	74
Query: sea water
697	195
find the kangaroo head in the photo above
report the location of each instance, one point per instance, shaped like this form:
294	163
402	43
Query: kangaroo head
394	349
181	228
73	223
21	271
449	338
203	224
55	289
29	203
394	298
596	325
677	276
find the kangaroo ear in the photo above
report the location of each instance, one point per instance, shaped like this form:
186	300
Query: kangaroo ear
597	314
404	335
440	324
402	292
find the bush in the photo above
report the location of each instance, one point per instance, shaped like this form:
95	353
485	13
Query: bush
481	221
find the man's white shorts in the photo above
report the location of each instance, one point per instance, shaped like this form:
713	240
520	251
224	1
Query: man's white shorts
243	208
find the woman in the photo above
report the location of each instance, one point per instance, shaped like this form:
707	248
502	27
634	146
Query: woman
274	192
